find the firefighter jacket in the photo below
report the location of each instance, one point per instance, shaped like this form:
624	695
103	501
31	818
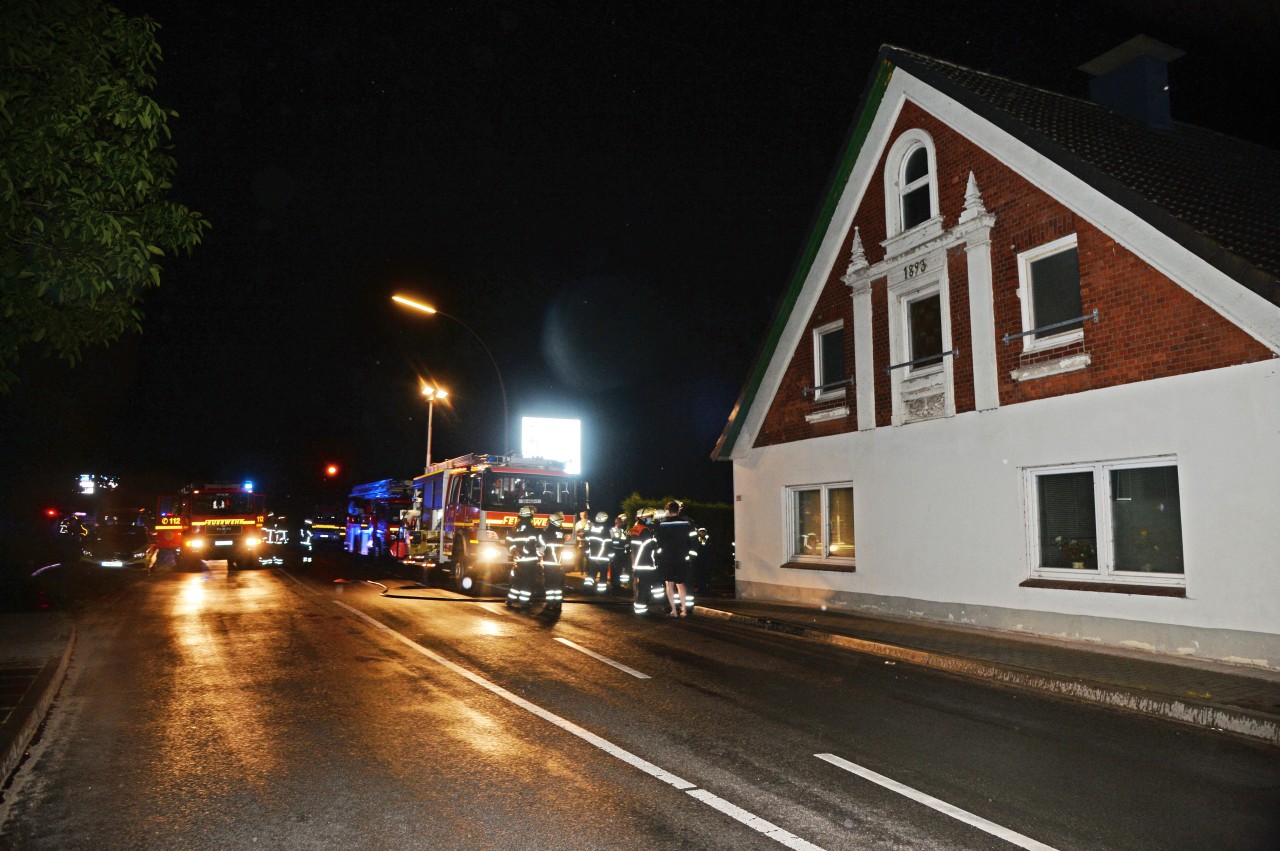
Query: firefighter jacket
642	548
677	539
550	540
597	543
522	541
619	542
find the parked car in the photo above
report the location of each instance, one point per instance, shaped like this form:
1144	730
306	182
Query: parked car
120	546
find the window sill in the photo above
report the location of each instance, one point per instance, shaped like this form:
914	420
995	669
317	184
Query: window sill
831	566
1106	587
828	414
904	241
1070	363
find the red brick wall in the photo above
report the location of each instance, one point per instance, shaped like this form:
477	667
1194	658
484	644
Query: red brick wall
786	420
1149	327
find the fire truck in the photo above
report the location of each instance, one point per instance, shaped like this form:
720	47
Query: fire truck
207	521
463	508
376	518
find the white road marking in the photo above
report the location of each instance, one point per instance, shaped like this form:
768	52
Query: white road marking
941	806
755	822
621	667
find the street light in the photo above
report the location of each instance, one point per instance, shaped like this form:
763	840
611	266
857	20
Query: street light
426	308
432	393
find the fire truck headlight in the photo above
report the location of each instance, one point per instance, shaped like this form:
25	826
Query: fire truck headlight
490	554
252	541
194	543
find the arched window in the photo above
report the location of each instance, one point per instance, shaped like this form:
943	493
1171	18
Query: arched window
917	206
910	183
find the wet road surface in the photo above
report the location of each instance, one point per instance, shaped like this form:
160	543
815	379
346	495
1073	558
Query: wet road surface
279	709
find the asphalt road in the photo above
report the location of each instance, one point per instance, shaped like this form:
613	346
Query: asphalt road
281	709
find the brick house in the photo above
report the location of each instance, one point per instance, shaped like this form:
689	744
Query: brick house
1025	374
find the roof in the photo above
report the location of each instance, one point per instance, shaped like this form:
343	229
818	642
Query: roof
1214	194
1208	192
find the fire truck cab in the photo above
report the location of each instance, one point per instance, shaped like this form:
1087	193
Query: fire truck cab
376	518
463	508
208	521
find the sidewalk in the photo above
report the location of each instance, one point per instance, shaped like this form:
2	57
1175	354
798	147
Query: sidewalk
1237	699
35	648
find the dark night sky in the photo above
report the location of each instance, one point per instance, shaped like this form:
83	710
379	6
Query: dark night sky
612	195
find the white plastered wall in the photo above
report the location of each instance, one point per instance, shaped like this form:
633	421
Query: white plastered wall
939	513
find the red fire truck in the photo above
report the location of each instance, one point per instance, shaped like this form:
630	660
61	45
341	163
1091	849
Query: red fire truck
376	518
463	507
207	521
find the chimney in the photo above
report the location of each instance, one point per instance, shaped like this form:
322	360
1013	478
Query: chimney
1133	80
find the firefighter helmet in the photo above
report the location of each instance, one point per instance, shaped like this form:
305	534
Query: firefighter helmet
526	511
558	517
602	516
622	517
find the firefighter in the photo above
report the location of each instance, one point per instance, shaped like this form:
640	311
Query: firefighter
597	541
552	540
620	551
645	592
677	540
580	526
522	543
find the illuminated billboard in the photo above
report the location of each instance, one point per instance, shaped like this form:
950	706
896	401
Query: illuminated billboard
558	440
89	483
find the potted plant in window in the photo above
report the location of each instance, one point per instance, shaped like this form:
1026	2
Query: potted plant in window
1077	550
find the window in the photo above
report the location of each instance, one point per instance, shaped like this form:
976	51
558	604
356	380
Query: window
911	191
1119	522
828	361
917	205
821	525
924	331
1050	289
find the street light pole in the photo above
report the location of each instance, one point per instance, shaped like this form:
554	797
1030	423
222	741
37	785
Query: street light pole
428	309
432	393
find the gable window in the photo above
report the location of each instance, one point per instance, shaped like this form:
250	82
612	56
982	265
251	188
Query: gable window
1049	278
924	331
829	376
917	206
1109	522
821	523
911	192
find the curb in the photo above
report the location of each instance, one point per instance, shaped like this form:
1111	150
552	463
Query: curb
26	718
1242	722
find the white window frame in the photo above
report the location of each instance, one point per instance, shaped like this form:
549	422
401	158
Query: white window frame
819	394
900	239
1025	259
789	507
910	385
904	310
1105	571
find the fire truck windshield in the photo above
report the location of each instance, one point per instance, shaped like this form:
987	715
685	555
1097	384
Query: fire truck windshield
224	503
547	494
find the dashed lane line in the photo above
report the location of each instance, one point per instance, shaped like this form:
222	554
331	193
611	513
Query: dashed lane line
594	655
752	821
941	806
